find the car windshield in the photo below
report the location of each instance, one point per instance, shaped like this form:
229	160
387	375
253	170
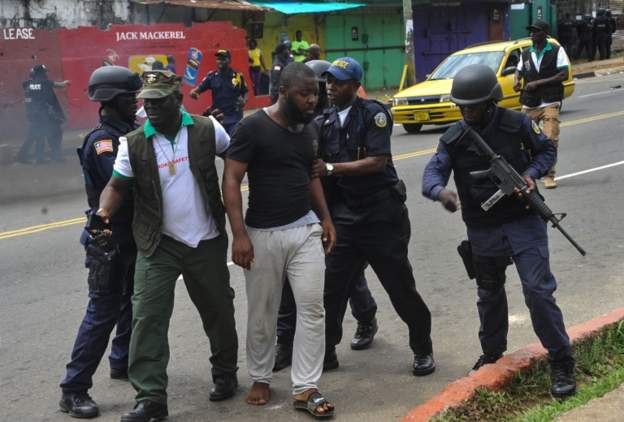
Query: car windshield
453	64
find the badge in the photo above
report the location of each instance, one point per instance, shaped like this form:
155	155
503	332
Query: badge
105	145
536	128
381	120
151	78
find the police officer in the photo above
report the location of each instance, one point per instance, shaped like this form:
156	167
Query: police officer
281	58
612	29
602	31
566	31
229	90
110	269
44	116
508	231
363	304
585	37
368	211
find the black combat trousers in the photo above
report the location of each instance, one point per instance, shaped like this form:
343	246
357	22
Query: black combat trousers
363	309
384	246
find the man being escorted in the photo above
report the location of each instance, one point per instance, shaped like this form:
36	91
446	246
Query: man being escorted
508	231
110	269
229	90
281	235
543	68
179	228
367	206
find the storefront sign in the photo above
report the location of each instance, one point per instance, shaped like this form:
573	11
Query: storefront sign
150	35
18	34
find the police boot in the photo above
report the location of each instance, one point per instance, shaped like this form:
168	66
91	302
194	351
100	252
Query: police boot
283	356
364	335
423	364
562	379
224	387
79	405
331	360
484	359
146	411
119	374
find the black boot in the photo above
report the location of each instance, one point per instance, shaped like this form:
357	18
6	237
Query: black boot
146	411
484	359
562	379
331	360
364	335
119	374
283	356
224	387
79	405
423	364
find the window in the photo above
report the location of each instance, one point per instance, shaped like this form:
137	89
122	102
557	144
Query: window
453	64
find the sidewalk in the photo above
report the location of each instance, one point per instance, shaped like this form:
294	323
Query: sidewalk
609	408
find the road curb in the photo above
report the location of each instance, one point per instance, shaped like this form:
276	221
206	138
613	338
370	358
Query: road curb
499	374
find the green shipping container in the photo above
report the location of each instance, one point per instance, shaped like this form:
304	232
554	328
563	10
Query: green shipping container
372	36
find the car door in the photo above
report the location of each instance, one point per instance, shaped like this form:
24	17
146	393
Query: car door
511	99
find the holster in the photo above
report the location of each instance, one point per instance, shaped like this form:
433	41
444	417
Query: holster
100	263
465	252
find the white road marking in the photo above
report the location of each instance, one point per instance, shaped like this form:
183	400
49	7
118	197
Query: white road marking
611	91
578	173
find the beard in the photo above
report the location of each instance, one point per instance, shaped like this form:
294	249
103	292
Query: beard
296	116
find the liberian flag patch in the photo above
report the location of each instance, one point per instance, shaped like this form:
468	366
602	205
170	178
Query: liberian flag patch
105	145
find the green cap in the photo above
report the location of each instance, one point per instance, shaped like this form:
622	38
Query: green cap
159	84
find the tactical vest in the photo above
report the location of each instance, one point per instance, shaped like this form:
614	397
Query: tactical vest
503	136
148	210
550	93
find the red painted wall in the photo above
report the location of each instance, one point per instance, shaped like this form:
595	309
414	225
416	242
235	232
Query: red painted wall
74	53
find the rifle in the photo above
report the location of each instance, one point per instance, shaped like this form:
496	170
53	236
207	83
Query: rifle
509	182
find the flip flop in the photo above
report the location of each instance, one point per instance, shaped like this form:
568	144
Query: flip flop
311	405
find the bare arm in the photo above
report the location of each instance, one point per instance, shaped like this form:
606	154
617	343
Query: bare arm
320	207
61	84
368	165
242	249
112	196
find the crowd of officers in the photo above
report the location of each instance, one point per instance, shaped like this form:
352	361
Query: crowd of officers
325	202
588	35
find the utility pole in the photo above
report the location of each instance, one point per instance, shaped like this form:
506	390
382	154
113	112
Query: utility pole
409	73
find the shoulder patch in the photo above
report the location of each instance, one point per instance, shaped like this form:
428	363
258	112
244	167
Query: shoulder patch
103	145
536	127
381	120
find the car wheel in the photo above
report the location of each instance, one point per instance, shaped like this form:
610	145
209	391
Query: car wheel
412	127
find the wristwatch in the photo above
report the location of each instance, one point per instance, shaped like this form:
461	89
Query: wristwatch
329	167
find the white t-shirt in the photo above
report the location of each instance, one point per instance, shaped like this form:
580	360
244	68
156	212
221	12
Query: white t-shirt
185	217
342	115
562	61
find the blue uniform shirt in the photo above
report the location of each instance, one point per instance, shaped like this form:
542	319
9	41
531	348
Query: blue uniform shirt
365	133
97	157
227	87
438	170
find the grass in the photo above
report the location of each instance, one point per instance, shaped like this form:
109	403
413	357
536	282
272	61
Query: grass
600	369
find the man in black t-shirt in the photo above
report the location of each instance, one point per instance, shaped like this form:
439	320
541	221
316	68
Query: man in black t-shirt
281	235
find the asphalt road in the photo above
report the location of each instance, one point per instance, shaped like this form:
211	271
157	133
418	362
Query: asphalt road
43	291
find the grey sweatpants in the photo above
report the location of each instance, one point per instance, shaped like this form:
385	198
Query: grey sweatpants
295	253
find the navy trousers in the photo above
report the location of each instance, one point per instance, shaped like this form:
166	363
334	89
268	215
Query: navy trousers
526	242
107	308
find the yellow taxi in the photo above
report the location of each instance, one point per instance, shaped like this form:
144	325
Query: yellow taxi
429	102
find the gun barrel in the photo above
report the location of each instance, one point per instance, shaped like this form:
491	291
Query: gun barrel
556	225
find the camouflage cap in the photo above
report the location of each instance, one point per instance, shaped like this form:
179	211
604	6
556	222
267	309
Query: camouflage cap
159	84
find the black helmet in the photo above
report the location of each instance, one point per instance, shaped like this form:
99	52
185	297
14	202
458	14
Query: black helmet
38	70
475	84
319	67
107	82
